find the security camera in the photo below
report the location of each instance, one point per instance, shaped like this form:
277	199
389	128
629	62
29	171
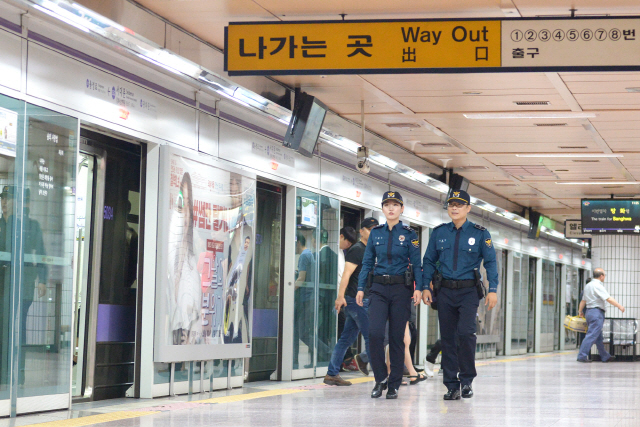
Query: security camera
363	160
363	166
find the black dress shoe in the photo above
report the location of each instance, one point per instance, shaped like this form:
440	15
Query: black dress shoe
452	394
378	389
584	360
611	359
392	394
467	391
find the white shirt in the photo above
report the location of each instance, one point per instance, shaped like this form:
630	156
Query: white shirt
595	294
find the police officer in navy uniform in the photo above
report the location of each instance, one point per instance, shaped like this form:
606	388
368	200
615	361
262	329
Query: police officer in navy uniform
392	249
459	245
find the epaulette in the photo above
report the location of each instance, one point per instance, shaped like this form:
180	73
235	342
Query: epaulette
479	227
438	226
406	227
378	226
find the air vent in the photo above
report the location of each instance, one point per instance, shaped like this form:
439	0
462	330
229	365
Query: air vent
505	185
435	144
402	125
562	170
585	161
471	168
612	186
549	124
527	170
601	177
471	93
572	147
531	102
525	194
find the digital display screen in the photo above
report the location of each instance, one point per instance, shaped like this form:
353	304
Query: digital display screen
610	216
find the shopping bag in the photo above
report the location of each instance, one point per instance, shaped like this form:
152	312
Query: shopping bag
576	324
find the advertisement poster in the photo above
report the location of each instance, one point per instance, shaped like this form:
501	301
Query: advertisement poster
309	212
8	132
205	259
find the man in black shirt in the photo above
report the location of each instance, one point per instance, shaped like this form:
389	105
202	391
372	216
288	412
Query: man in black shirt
357	317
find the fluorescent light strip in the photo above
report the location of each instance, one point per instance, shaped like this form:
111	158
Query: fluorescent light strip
600	183
597	155
530	115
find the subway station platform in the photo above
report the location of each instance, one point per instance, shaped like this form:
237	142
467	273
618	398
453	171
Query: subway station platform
549	389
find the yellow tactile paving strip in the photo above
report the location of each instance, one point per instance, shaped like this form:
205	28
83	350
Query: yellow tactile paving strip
94	419
250	396
122	415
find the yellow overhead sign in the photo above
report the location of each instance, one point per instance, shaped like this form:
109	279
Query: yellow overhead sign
357	47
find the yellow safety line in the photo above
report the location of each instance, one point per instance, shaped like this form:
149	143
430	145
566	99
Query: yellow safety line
95	419
361	380
250	396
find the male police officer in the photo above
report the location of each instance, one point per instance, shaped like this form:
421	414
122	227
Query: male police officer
459	245
391	250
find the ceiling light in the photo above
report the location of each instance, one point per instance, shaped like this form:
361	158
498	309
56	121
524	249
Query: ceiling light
402	125
549	124
531	115
632	89
600	183
570	155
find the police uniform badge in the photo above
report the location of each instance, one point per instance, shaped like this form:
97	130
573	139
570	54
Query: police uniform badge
415	243
456	194
488	242
391	194
472	241
401	238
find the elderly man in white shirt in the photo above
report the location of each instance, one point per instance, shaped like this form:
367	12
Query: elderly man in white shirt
594	297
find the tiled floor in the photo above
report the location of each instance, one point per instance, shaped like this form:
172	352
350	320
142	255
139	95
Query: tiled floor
534	390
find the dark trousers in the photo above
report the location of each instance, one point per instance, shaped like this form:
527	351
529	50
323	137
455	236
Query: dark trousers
341	319
457	309
393	303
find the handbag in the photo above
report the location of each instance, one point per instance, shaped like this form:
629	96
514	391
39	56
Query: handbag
576	324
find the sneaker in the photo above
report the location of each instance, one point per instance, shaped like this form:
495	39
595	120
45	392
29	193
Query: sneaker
362	366
335	380
350	366
428	369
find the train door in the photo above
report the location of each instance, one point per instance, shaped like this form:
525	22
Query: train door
316	281
548	311
106	278
519	301
349	217
531	304
266	341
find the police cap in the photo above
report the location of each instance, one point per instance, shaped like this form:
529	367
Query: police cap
392	196
459	196
369	222
7	191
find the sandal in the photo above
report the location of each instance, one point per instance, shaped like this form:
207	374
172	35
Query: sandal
418	378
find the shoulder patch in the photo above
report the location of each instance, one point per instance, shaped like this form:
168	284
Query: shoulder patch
479	227
415	243
488	243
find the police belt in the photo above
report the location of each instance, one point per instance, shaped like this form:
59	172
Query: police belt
388	280
458	284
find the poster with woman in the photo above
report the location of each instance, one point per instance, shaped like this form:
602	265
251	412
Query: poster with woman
205	258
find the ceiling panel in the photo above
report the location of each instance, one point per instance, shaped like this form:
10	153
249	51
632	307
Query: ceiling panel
440	100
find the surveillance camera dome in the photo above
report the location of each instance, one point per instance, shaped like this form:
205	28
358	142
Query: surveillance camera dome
363	165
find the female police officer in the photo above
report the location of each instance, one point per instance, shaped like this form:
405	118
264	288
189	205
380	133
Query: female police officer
392	249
